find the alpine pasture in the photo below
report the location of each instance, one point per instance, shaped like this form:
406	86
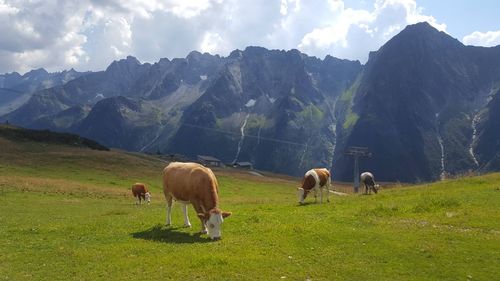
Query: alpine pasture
67	213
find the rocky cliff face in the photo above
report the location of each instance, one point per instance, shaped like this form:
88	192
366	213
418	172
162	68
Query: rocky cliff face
270	108
414	104
487	146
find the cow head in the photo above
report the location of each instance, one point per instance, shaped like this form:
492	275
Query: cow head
376	188
213	220
147	197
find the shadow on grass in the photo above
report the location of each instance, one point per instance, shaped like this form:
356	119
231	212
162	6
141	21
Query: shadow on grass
168	234
305	204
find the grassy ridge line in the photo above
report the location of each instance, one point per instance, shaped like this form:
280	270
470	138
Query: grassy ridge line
45	136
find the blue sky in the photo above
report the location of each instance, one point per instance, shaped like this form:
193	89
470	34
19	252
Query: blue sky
90	34
463	17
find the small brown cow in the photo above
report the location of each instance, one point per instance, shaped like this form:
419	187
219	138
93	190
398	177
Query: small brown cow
315	179
193	183
140	191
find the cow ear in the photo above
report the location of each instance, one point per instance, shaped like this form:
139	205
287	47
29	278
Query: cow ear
226	214
201	216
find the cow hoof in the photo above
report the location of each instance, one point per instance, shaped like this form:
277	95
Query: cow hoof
187	225
203	231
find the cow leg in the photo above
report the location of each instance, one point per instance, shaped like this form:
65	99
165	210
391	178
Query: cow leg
200	210
203	226
137	201
169	209
315	194
328	182
321	195
186	218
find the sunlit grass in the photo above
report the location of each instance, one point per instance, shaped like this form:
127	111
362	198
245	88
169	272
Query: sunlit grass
67	214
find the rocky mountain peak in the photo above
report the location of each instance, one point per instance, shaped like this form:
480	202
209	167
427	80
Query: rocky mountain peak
40	72
129	63
421	35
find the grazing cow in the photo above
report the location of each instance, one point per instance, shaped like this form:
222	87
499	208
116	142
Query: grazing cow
195	184
315	179
369	181
140	191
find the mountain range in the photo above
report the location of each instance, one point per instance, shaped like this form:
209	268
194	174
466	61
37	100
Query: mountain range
424	105
16	89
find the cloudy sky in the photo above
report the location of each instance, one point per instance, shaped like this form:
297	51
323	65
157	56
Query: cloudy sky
90	34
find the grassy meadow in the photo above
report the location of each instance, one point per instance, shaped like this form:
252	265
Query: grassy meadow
67	214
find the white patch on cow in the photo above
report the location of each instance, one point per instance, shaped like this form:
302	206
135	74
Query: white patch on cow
250	103
315	176
99	96
203	77
214	224
147	197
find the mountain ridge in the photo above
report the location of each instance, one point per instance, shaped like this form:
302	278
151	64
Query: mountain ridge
413	102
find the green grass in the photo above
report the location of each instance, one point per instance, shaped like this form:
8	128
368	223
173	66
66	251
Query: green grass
66	214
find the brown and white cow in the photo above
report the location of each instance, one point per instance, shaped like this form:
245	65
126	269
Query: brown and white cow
313	180
140	191
193	183
368	180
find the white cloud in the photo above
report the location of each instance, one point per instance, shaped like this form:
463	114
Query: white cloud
353	33
284	7
90	34
187	9
211	42
486	39
7	9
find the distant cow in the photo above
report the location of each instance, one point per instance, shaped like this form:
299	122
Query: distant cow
369	182
195	184
313	180
140	191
